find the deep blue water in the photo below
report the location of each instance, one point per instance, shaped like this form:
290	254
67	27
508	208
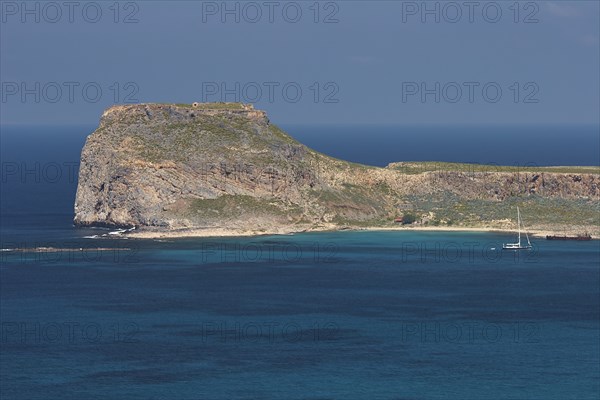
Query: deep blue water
348	315
515	145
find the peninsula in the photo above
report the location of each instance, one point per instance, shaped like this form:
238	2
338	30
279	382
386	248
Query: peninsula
217	169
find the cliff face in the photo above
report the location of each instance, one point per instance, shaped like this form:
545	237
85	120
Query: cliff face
225	165
211	165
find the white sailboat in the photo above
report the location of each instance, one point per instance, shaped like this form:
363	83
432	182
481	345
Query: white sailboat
518	245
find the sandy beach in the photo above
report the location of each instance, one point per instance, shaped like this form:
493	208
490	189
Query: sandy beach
230	232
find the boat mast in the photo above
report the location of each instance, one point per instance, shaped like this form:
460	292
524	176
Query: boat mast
526	235
519	224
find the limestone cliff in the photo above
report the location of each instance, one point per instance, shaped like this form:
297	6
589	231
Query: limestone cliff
166	166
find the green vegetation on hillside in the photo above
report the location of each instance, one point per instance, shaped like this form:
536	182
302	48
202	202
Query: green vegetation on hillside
240	206
432	166
535	210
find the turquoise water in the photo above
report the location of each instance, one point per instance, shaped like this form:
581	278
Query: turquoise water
347	315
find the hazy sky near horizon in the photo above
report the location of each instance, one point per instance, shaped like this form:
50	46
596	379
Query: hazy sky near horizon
305	62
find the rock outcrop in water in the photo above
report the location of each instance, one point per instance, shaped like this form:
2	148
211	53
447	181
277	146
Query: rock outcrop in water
165	167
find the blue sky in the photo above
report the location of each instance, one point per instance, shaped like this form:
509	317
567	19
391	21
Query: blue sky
353	61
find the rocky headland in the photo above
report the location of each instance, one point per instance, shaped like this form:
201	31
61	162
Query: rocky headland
215	169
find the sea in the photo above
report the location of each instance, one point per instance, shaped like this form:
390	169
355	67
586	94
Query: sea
329	315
